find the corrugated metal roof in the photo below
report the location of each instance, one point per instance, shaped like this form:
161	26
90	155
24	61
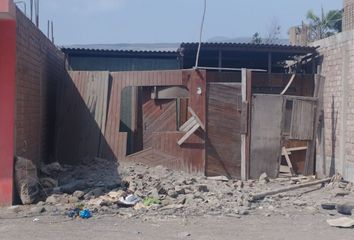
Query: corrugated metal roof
127	47
175	47
249	45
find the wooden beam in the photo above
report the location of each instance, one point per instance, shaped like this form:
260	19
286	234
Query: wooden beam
188	134
196	118
269	62
287	158
246	90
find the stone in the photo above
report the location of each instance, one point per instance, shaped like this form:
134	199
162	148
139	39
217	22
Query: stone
180	190
343	222
37	210
154	193
202	188
264	178
52	199
345	208
299	203
73	199
73	186
243	211
79	194
172	193
184	234
116	194
328	206
97	192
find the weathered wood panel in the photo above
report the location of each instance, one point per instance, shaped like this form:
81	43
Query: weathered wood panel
223	148
303	116
158	116
266	125
120	80
303	84
82	110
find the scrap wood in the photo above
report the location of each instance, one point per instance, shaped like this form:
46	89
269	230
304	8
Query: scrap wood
260	196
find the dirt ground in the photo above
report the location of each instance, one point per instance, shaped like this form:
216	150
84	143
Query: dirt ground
176	205
252	227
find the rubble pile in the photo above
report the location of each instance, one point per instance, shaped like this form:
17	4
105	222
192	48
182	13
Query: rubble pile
102	187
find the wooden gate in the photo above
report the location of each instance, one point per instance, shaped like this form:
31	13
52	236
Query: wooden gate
223	145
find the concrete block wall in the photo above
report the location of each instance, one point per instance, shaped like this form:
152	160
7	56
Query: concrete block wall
40	65
337	152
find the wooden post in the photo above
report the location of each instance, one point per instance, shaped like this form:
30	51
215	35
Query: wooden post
246	137
220	60
269	62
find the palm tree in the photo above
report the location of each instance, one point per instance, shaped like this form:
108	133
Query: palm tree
326	25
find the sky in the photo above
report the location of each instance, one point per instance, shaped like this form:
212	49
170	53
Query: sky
170	21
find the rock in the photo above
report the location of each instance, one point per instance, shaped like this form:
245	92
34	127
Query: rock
26	180
180	190
99	202
73	186
242	211
299	203
154	193
79	194
172	193
51	168
116	194
37	210
73	199
184	234
202	188
264	178
340	193
48	183
343	222
53	199
345	208
97	192
218	178
328	206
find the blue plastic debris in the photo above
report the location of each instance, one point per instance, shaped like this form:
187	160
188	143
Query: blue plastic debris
74	213
85	214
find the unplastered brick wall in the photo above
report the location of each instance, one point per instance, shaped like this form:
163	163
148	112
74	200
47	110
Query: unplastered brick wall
40	65
336	154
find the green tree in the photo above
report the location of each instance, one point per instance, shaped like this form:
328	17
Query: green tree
256	38
325	25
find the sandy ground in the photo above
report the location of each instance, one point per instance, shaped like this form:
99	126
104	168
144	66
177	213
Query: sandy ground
253	227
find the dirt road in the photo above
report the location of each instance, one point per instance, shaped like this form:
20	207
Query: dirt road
253	227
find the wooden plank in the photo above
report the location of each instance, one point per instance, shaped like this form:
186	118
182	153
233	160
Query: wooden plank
223	130
287	158
188	134
201	124
186	124
266	126
189	125
302	120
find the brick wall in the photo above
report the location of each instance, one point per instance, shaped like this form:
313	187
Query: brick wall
348	15
40	65
336	154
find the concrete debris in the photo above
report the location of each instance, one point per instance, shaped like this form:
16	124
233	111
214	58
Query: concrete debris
264	178
127	190
26	180
343	222
345	208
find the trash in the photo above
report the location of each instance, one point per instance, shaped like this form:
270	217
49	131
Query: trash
343	222
74	213
26	180
345	208
148	201
328	206
85	214
35	220
129	200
